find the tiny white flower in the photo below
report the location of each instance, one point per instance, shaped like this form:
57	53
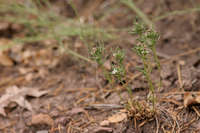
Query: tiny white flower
114	71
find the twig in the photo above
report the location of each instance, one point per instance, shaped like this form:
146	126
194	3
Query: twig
172	58
195	109
82	99
179	76
180	93
185	126
142	124
178	126
104	106
157	123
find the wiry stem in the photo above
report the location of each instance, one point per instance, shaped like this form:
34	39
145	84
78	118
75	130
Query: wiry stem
147	70
158	65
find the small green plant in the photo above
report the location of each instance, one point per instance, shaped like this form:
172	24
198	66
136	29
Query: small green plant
97	54
118	70
146	50
116	73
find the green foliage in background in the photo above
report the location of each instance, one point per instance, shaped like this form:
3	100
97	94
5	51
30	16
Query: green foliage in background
41	22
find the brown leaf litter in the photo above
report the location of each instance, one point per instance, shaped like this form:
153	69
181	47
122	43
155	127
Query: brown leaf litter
5	60
191	99
17	95
42	119
118	117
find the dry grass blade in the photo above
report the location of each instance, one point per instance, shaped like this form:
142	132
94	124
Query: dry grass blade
179	77
144	17
178	12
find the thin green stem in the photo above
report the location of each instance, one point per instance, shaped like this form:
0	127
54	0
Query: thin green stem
78	55
73	7
143	16
177	12
72	52
147	68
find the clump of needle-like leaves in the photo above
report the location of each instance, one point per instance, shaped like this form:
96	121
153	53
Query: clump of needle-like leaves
146	50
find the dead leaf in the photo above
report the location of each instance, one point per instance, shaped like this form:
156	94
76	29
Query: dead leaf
118	117
42	119
105	123
15	94
191	98
5	60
